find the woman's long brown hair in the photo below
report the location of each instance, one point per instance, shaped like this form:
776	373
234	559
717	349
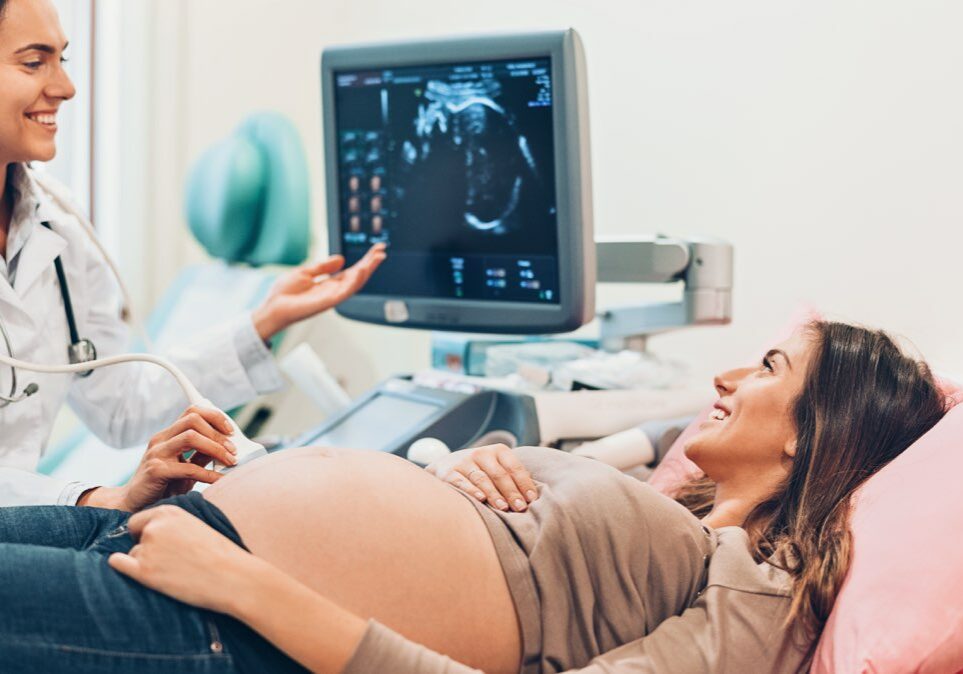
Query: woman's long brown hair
862	403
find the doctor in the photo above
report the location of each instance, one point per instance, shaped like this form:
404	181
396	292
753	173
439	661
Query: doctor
124	404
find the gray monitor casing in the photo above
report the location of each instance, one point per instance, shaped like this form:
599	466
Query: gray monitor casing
573	183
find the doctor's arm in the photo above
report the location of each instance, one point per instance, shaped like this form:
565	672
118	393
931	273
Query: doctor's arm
165	469
20	487
230	364
173	463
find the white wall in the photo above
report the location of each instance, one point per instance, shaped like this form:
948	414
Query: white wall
824	139
71	166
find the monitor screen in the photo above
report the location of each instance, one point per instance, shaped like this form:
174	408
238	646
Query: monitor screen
468	158
378	423
452	166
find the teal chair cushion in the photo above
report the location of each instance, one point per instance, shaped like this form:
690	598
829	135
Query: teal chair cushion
248	197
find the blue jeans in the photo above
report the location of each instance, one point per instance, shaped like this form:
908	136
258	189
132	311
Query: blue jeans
63	609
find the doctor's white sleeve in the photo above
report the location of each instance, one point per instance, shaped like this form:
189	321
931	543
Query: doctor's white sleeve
126	404
26	488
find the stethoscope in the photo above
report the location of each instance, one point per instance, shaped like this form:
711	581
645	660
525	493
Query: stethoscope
78	351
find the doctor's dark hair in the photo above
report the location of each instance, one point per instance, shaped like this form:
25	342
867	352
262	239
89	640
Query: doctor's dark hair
862	403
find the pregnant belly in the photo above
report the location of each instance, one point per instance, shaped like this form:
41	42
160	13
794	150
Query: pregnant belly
383	539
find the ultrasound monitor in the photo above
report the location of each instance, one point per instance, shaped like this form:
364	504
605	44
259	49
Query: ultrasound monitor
469	158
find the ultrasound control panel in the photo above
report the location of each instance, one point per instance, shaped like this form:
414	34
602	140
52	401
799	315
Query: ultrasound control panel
398	412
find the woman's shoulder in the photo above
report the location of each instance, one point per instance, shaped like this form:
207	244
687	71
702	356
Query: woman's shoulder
733	566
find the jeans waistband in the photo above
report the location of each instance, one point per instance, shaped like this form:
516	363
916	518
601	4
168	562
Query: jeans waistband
195	503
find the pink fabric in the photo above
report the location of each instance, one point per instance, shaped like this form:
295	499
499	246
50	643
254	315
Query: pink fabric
675	468
952	390
901	607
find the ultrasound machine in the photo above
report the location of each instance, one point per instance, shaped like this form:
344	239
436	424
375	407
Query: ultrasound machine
470	159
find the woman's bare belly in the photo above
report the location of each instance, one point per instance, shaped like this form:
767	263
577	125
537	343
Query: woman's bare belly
384	539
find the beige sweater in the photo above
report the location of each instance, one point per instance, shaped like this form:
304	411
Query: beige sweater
608	575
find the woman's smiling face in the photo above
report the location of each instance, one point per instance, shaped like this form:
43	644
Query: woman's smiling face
32	80
752	426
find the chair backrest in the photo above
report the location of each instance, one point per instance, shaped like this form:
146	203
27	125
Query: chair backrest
248	196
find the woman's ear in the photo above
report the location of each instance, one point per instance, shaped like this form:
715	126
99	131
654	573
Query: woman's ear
790	448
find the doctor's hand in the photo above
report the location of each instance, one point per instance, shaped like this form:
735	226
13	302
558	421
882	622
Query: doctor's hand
313	288
165	470
491	473
181	556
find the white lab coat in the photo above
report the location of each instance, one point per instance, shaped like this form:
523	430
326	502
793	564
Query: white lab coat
123	404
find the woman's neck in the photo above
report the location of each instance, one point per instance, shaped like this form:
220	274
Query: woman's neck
729	512
735	499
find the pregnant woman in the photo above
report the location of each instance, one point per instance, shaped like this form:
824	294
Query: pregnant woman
361	562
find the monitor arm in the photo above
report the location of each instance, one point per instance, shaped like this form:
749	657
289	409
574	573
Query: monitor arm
702	265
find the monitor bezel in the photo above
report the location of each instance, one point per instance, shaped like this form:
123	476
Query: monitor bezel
576	246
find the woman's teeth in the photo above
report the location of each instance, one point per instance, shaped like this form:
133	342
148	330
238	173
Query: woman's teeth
719	415
47	120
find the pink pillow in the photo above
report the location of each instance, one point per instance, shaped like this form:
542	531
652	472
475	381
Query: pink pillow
899	609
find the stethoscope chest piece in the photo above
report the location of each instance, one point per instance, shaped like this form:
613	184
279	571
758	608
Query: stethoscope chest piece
82	351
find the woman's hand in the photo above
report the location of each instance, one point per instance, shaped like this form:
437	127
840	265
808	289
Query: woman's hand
181	556
164	470
313	288
492	473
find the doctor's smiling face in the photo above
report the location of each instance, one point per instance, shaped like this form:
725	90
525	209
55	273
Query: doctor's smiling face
32	80
751	432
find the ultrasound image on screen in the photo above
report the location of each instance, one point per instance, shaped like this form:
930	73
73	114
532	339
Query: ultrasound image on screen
453	167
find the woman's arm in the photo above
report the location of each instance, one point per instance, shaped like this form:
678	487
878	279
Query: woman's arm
179	555
311	629
230	363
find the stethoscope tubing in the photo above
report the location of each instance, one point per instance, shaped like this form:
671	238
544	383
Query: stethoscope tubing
194	396
75	340
12	397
